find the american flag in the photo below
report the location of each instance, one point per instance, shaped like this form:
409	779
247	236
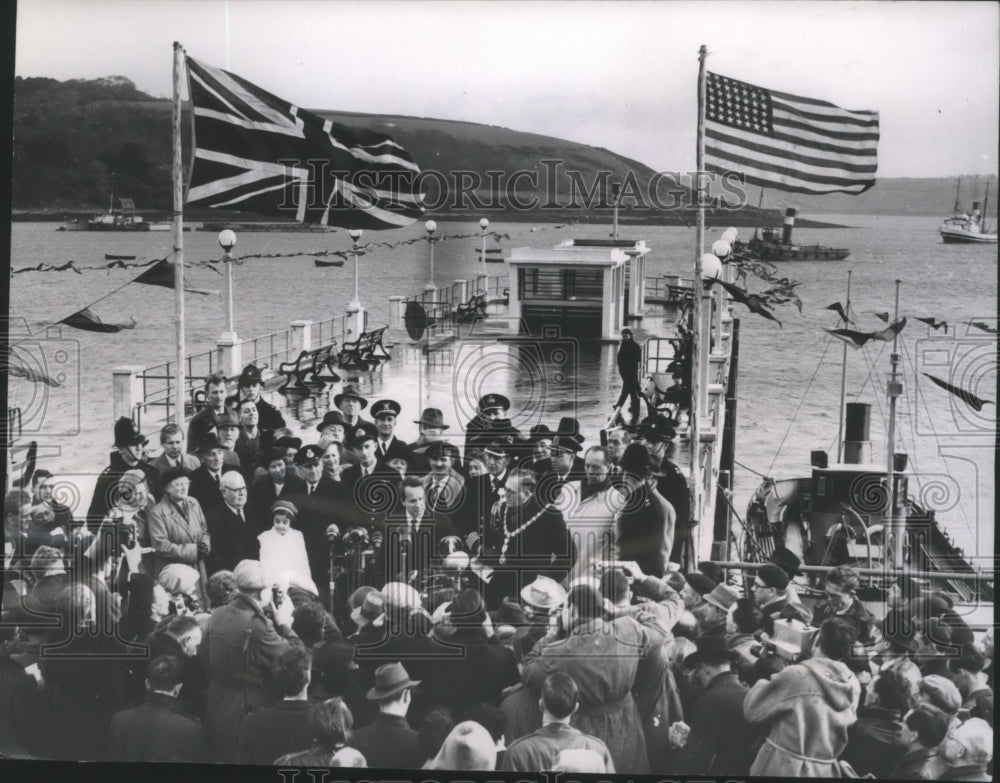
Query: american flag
257	152
779	140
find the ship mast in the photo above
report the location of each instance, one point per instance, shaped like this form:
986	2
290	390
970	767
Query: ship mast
896	522
843	378
958	192
986	202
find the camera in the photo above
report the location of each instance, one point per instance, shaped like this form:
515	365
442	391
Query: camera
356	536
792	641
277	596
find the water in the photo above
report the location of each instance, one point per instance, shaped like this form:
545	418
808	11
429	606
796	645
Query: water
789	381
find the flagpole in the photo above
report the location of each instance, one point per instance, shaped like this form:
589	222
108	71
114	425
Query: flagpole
178	182
843	377
897	523
697	338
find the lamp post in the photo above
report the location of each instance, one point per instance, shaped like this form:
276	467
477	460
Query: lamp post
430	227
355	304
616	191
228	345
227	241
483	224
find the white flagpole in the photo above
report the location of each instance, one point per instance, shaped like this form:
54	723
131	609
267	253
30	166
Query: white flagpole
178	259
697	338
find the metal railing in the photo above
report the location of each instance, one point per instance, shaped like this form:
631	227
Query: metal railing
672	288
268	350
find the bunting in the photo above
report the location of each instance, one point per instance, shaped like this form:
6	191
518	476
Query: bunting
976	403
89	322
857	339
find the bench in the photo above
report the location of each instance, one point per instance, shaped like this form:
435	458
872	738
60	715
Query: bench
366	350
314	367
677	293
471	310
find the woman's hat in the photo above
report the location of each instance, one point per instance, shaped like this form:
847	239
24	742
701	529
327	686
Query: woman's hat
371	611
468	747
350	390
127	434
711	648
330	418
172	474
390	679
432	417
286	506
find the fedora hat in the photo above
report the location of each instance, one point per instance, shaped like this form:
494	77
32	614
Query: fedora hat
493	401
544	593
571	427
250	374
350	390
441	448
540	432
722	597
390	679
371	611
566	443
400	597
226	419
432	417
127	434
786	560
330	418
711	648
637	460
468	747
209	441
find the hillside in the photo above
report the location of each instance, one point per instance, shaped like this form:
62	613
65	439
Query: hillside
76	142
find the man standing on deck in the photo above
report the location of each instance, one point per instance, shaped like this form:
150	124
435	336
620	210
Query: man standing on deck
657	433
250	386
128	455
204	420
629	358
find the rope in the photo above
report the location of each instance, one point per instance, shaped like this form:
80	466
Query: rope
802	399
756	473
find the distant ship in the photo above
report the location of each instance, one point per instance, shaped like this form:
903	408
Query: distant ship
769	246
964	228
123	219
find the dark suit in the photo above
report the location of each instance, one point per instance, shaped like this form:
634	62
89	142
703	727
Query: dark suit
447	498
187	461
550	482
233	539
481	494
204	489
249	451
263	493
722	742
268	734
404	551
158	730
326	506
485	670
395	449
388	742
269	418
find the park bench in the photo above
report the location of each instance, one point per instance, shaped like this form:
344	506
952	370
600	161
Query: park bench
313	367
366	350
474	308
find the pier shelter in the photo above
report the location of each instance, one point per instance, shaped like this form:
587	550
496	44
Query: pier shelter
587	287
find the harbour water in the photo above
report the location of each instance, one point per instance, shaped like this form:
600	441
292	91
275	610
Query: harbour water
789	380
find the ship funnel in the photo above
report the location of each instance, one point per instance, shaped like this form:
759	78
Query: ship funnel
976	206
786	233
857	425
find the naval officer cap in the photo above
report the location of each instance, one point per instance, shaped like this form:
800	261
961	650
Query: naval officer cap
308	455
386	408
493	402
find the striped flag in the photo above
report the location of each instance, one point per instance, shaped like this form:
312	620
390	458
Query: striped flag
783	141
259	153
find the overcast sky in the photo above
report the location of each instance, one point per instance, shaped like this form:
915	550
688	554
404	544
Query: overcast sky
615	75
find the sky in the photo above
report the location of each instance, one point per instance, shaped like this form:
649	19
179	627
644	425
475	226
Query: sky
616	75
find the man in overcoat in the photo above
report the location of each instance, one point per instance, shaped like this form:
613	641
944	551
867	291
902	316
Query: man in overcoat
243	642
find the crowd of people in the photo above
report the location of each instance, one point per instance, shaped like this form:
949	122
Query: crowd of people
515	602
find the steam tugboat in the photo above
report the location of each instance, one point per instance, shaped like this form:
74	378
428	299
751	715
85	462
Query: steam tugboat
964	228
769	246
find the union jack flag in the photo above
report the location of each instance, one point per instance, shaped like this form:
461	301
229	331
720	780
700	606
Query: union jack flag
254	151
